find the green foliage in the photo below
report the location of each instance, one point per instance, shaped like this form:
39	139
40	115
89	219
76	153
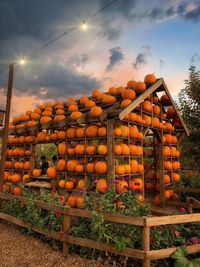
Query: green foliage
189	99
180	257
48	150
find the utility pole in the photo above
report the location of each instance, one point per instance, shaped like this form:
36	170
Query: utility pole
6	123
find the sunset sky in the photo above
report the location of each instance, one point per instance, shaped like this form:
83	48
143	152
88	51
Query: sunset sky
127	40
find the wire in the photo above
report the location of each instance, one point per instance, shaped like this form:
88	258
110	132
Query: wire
70	30
99	11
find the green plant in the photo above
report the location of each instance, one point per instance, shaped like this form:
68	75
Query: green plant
181	260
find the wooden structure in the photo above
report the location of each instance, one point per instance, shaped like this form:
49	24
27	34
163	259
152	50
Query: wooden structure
150	132
146	255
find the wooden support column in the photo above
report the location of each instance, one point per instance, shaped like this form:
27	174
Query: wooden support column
110	158
7	118
66	227
146	246
161	173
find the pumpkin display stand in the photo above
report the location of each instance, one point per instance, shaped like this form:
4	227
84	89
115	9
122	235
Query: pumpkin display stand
125	139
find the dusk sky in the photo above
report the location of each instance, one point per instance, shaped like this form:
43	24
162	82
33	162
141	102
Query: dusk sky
127	40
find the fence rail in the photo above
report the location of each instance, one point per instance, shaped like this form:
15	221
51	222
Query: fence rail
145	254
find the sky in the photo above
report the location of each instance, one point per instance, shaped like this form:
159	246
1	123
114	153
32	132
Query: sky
126	41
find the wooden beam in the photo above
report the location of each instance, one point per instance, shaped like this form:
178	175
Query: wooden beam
110	109
175	108
173	219
140	98
146	245
110	158
7	118
185	189
129	252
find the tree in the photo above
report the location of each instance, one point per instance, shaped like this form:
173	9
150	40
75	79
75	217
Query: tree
189	99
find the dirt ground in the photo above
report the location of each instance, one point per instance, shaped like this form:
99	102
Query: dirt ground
26	251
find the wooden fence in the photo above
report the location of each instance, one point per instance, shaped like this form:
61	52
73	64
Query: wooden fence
146	255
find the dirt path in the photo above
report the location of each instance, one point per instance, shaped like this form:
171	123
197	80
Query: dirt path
26	251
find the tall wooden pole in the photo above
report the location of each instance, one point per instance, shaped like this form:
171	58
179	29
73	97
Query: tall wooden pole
7	118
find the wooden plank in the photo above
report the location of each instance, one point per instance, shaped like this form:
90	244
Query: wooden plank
50	234
146	245
129	252
166	253
66	228
140	98
185	189
173	219
7	118
103	117
175	108
110	158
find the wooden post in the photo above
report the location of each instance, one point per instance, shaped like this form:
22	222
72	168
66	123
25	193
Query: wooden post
110	159
146	245
7	117
66	227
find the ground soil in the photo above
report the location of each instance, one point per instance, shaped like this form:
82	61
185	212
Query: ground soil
27	251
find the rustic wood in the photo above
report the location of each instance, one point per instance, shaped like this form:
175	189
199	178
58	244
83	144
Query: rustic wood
110	148
133	253
175	108
185	189
140	98
7	117
146	245
166	253
66	228
173	219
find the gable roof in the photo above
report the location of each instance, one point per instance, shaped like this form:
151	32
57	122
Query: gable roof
158	86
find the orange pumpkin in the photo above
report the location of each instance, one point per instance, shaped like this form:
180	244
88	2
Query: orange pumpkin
125	103
121	187
96	111
81	184
80	132
140	87
102	150
17	191
146	105
102	131
36	172
79	149
75	115
112	90
79	168
129	94
131	84
71	201
62	149
27	166
119	169
90	168
26	178
45	119
92	131
80	202
101	167
90	104
134	165
136	184
69	185
73	107
51	172
150	79
91	149
61	183
61	165
117	150
156	110
71	165
70	133
41	137
108	99
101	185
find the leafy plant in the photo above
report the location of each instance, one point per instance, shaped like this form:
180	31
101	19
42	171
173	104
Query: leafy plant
181	260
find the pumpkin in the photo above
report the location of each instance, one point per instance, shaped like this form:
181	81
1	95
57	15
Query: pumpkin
175	177
101	185
61	165
79	168
21	139
95	93
155	122
101	167
140	168
176	165
156	110
61	183
125	149
71	101
118	132
71	151
131	84
90	167
26	178
27	166
47	113
62	149
167	194
167	165
100	96
71	165
171	113
45	119
108	99
51	172
73	107
91	149
125	103
59	118
69	185
70	133
71	201
54	136
96	111
80	202
6	188
129	94
134	165
119	169
127	168
75	115
41	137
35	116
133	150
112	90
140	87
165	100
61	135
133	132
102	131
121	187
124	131
120	90
136	184
166	151
36	172
6	175
102	150
83	99
146	105
117	150
79	149
92	131
28	112
150	79
60	112
81	184
80	132
15	178
157	200
149	186
90	104
17	191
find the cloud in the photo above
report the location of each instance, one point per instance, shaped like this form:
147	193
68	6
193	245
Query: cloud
142	58
161	63
79	61
116	56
